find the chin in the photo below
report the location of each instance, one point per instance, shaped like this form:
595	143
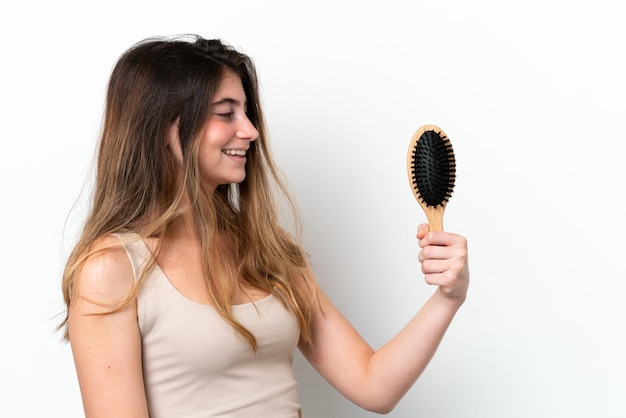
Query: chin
235	180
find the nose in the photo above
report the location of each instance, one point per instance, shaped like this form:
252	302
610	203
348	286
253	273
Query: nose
247	130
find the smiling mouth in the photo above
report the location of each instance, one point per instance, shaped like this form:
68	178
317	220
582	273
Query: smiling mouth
235	152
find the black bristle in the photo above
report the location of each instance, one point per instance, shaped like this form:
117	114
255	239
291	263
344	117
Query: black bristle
433	168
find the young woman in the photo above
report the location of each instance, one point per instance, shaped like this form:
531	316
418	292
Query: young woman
185	297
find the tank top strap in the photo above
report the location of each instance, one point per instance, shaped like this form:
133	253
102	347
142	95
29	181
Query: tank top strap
136	250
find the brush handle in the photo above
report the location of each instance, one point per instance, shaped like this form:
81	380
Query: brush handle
435	217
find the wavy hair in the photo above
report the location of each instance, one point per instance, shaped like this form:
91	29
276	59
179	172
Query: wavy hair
137	188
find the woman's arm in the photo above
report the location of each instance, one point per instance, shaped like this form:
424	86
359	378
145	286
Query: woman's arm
107	347
377	380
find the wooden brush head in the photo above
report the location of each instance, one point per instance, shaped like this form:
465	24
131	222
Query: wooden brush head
431	168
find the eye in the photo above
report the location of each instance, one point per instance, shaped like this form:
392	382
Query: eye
225	115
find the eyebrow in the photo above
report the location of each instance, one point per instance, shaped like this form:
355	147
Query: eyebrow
228	100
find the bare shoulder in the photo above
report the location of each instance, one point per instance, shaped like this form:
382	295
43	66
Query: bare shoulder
106	275
104	333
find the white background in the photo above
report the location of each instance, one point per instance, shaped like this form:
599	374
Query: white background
532	95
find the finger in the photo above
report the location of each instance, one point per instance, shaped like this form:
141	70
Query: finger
438	252
422	230
435	279
430	266
443	238
453	265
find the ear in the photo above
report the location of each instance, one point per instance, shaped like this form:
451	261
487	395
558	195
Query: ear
172	139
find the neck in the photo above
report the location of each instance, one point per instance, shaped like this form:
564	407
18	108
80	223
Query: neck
183	229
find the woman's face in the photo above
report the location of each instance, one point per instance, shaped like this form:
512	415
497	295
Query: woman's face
227	135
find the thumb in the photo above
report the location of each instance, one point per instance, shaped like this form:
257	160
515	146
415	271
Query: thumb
422	230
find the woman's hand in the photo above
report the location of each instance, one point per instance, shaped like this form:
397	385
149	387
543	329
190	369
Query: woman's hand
443	256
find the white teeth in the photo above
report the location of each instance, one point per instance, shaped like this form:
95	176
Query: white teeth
238	152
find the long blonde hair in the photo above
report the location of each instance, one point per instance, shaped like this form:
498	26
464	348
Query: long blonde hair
137	188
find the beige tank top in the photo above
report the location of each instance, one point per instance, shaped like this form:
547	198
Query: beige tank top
196	365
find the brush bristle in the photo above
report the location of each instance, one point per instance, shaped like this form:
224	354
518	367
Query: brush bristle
433	168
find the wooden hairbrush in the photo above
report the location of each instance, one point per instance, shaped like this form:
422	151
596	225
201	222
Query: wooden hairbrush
432	170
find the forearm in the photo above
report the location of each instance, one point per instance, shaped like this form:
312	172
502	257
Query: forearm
394	368
377	380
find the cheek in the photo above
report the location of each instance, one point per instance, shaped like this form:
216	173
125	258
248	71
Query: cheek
210	148
214	140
